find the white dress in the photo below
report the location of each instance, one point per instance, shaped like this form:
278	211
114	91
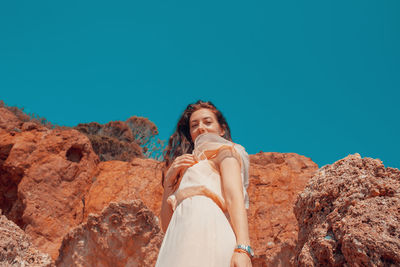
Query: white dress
199	233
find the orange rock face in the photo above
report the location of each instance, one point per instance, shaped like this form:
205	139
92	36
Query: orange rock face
275	181
124	234
45	175
8	121
118	180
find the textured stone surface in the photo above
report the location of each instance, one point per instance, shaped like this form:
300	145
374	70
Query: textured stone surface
45	175
124	234
16	249
275	181
117	180
8	121
349	215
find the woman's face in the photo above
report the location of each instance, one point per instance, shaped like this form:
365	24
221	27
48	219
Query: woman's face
204	121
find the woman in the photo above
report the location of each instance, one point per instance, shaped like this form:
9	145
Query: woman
203	212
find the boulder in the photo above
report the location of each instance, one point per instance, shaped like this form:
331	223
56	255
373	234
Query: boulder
16	249
124	234
349	215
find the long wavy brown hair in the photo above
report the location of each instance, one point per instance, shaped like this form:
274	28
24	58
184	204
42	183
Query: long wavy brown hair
181	141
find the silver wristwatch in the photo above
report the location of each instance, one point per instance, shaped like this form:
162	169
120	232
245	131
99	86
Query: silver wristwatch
247	248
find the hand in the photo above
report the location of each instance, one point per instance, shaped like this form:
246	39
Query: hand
240	260
179	165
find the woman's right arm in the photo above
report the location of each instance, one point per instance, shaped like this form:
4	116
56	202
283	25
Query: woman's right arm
178	166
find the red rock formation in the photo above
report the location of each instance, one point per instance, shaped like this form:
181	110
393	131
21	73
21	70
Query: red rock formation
12	118
275	181
45	175
8	121
349	215
117	180
16	249
124	234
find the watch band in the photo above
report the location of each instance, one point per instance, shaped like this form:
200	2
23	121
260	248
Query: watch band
245	248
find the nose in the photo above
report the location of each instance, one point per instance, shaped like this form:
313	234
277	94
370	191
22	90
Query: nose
201	128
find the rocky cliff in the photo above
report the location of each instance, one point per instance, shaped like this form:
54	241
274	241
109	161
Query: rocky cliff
85	212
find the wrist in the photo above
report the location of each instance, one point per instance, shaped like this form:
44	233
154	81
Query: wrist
167	192
169	177
165	185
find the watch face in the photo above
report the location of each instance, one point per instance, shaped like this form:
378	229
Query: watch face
251	251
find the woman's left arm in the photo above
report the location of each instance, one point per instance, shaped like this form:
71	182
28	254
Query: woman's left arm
233	193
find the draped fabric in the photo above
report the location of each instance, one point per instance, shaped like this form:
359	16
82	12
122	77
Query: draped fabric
213	146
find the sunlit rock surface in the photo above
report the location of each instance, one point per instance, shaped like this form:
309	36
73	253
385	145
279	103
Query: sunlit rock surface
275	181
349	215
16	249
118	180
124	234
45	176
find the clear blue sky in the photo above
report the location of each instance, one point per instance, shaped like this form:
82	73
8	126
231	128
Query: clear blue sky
318	78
